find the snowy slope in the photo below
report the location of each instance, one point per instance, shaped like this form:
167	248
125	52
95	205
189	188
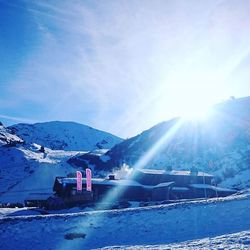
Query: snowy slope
25	170
6	138
219	144
65	136
159	225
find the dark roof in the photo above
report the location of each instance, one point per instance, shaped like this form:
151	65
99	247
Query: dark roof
123	182
38	196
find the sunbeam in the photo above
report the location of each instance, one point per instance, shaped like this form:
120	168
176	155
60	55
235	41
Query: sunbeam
117	191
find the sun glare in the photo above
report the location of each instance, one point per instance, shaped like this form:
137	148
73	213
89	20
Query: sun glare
197	111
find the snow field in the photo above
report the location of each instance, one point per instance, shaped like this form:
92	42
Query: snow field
157	225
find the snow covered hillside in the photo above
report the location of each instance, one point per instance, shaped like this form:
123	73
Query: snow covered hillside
27	167
25	170
198	222
65	136
219	144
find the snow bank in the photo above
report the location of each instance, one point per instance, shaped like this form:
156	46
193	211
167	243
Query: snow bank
139	226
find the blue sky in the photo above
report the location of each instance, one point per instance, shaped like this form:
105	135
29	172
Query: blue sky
120	66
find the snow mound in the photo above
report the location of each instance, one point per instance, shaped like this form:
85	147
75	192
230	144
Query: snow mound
239	240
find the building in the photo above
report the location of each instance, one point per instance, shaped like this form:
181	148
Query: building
146	185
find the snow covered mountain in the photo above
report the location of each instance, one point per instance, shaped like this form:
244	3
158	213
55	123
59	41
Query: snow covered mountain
65	136
26	166
219	144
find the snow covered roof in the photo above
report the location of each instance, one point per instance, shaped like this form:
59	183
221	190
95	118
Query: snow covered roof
172	172
151	171
185	172
203	186
164	184
180	189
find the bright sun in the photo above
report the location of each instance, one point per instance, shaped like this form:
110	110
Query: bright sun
196	111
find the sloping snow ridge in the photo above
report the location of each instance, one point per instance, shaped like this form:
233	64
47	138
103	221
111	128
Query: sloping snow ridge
65	136
196	221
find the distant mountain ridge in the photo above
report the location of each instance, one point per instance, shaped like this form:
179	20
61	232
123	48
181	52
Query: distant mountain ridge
59	135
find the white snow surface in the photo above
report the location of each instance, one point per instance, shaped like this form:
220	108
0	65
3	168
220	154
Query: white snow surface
228	241
208	224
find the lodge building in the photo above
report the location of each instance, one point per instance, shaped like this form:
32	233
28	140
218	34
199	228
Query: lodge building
147	185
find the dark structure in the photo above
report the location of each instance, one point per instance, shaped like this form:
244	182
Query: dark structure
186	184
123	189
143	185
